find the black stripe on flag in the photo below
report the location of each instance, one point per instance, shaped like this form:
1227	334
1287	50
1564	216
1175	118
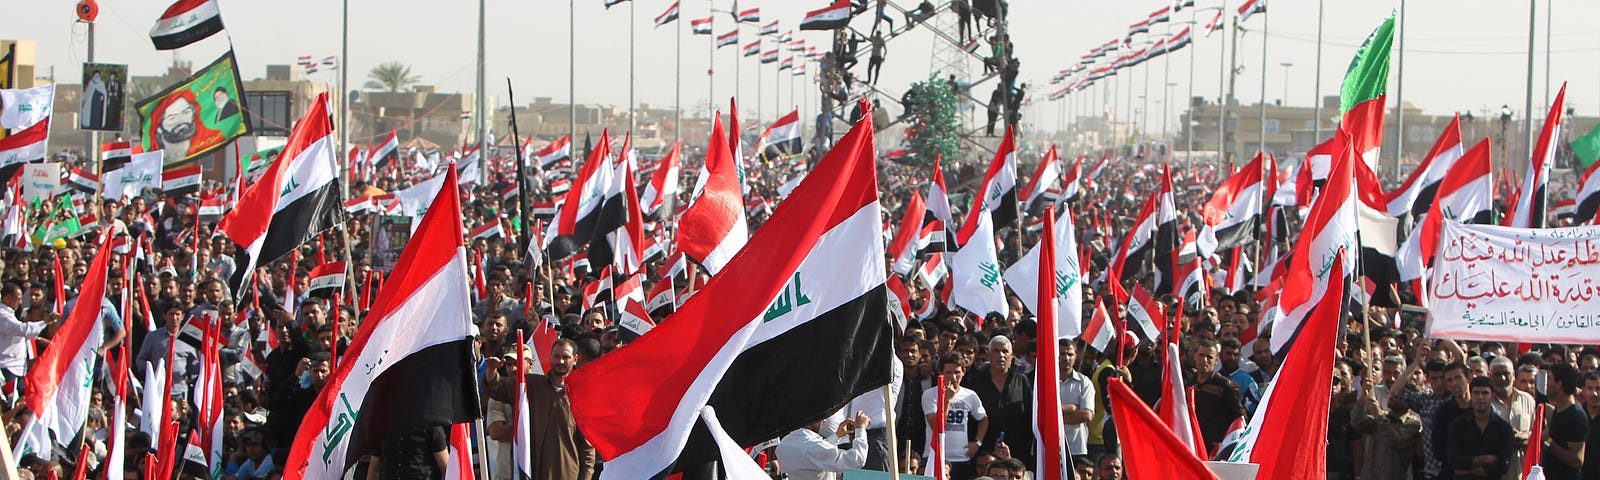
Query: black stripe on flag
776	385
195	33
391	402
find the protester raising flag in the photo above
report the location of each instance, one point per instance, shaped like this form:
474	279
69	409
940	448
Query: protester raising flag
186	22
713	228
802	304
60	380
1530	207
416	344
294	201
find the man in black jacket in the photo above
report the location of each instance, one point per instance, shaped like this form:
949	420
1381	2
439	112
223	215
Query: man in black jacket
1479	446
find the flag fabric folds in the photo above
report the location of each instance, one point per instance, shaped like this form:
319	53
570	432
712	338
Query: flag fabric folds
833	17
186	22
1049	432
296	199
1149	448
802	304
58	383
1465	194
713	228
1068	277
416	344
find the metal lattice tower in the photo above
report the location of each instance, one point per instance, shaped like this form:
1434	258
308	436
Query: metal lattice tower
948	58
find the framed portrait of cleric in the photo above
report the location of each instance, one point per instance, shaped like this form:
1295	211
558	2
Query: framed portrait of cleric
100	106
196	116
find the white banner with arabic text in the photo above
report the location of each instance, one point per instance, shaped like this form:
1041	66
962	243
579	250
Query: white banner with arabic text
1516	284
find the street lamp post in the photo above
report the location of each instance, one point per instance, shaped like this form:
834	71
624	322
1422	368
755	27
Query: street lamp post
1286	66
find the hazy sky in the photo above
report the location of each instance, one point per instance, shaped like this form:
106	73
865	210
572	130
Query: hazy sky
1460	54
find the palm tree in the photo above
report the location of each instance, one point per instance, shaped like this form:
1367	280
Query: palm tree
391	77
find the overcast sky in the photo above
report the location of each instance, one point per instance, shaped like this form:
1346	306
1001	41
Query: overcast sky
1460	54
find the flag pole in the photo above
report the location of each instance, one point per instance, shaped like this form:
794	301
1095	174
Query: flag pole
1266	19
480	124
342	155
1223	66
677	85
572	57
632	25
1316	103
526	239
1188	119
1400	97
1527	105
893	455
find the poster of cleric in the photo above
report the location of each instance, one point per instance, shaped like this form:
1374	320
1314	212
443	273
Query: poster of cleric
196	116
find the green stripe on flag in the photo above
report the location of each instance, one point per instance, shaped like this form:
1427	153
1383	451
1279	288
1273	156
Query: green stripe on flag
1587	147
1368	76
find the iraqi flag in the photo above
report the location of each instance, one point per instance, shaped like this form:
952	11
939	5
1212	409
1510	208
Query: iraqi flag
633	320
1234	213
623	245
997	195
326	280
294	201
975	273
1176	409
750	15
751	49
661	194
1153	241
769	29
782	139
1330	228
554	153
416	344
386	151
701	26
730	38
1415	195
802	305
939	204
489	229
576	223
1024	279
1044	183
58	382
668	16
83	180
833	17
459	467
1588	200
713	228
1072	185
1530	207
1099	330
1251	7
1465	194
28	145
181	181
186	22
903	247
1048	431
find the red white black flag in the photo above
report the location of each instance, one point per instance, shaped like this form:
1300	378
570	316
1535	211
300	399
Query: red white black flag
416	344
186	22
799	305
